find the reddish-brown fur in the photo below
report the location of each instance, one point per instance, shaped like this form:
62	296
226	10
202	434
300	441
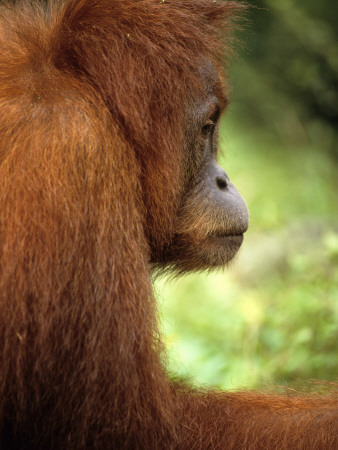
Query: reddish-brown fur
92	168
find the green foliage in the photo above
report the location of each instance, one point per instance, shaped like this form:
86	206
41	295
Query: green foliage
291	70
272	317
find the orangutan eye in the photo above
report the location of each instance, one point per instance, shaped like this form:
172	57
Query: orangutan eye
208	128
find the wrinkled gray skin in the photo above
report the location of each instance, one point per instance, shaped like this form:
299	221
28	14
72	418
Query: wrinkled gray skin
213	215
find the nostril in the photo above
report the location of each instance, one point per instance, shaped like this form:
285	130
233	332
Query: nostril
222	182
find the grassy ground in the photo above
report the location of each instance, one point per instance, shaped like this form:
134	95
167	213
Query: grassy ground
272	317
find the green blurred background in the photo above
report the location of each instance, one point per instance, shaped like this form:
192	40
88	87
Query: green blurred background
271	318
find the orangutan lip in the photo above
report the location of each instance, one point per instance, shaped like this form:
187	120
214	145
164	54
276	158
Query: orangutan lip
223	235
226	239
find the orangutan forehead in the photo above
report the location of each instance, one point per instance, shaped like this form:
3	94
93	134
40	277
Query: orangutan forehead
214	82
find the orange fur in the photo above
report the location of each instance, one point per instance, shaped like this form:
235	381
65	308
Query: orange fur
92	97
